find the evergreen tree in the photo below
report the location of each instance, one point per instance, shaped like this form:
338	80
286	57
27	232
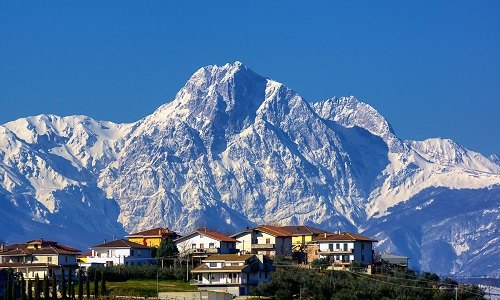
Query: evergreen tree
37	287
87	286
103	284
80	285
70	286
46	287
96	285
63	285
54	288
30	290
8	286
22	296
167	248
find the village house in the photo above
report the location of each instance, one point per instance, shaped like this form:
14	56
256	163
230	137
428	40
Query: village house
341	249
265	239
202	243
39	257
152	237
231	273
119	252
301	235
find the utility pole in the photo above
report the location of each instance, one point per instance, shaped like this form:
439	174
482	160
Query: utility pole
456	292
187	269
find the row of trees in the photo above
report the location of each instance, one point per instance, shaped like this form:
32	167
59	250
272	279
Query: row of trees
299	283
18	288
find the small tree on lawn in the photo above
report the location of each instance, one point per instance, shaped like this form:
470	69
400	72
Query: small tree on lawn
54	288
37	287
87	286
22	296
96	285
63	285
46	287
80	285
30	290
103	284
167	248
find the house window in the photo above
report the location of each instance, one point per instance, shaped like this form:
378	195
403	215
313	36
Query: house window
66	259
131	252
49	259
337	246
138	252
362	257
330	247
345	258
268	241
211	245
362	246
193	246
345	246
213	265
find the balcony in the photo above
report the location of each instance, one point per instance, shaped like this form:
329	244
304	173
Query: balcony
263	246
336	251
223	282
204	251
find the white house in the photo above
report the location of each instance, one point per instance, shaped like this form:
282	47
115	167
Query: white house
342	249
202	243
119	252
39	257
265	239
231	273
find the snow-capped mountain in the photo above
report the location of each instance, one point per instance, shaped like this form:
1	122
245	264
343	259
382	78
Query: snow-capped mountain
235	149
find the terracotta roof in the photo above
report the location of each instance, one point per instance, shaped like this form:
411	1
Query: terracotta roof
121	244
228	257
303	230
46	247
212	234
276	231
155	232
343	236
203	268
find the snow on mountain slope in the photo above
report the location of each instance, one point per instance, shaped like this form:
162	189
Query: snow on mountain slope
235	149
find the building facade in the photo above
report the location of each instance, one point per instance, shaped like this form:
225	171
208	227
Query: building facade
265	240
119	252
342	249
152	237
39	257
202	243
236	274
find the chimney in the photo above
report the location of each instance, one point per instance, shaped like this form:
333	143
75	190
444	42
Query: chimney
325	234
2	247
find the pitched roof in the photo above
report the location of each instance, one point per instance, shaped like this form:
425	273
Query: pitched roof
204	268
303	230
228	257
38	247
154	232
121	244
211	234
277	231
343	236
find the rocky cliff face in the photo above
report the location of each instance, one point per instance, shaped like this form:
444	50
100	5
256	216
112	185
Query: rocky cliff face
235	149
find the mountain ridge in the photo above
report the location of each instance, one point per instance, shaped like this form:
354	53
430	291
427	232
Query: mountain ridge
243	149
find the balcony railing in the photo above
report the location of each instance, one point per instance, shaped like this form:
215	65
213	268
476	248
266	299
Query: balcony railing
223	282
204	250
336	251
263	246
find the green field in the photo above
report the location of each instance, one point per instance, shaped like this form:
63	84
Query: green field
145	288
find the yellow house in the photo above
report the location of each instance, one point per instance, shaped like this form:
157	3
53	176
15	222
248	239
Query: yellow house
152	237
301	235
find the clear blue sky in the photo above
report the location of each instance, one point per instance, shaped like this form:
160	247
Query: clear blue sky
432	68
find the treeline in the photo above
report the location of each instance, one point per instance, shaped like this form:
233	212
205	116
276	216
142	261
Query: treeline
299	283
123	273
66	288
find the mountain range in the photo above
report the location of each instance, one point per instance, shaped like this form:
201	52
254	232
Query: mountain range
235	149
